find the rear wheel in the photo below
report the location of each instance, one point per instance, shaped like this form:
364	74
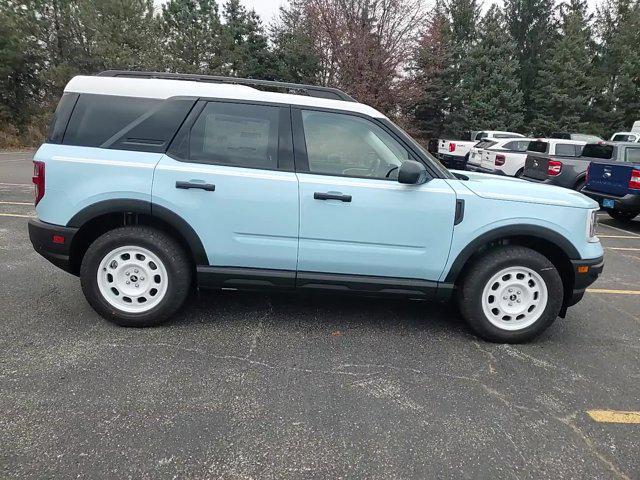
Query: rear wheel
511	294
135	276
519	173
580	185
622	216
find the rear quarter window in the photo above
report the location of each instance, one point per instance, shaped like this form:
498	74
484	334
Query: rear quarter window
96	118
538	146
517	146
566	150
632	155
598	151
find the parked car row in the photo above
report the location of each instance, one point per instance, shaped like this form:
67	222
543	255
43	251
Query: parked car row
608	172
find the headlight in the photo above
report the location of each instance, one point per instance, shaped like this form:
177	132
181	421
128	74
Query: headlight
592	225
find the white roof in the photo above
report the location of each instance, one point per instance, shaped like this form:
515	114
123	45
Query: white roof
162	89
561	140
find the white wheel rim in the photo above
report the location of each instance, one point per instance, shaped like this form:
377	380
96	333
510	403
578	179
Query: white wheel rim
132	279
514	298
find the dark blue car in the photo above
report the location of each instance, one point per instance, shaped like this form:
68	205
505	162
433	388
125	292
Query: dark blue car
616	186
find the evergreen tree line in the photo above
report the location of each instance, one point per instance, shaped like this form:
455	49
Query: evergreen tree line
533	66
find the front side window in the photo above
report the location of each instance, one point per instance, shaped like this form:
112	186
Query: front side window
346	145
632	155
236	134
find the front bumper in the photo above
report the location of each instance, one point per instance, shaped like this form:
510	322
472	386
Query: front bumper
627	203
53	242
585	272
453	162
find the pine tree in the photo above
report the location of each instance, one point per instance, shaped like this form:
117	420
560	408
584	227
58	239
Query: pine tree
117	35
428	103
617	64
564	86
192	36
462	34
490	82
530	24
245	47
294	51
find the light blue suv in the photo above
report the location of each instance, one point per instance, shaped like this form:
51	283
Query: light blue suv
150	183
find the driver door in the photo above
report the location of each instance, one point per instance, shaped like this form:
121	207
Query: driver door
355	218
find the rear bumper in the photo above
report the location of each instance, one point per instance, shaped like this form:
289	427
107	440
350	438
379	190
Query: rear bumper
453	162
42	236
627	203
582	279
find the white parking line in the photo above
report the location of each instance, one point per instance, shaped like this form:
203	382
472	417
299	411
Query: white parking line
17	203
16	215
619	229
17	184
626	249
618	236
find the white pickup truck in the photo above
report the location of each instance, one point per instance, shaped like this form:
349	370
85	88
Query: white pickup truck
500	157
455	153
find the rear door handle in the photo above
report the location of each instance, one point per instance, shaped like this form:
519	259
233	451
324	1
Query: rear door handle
209	187
332	196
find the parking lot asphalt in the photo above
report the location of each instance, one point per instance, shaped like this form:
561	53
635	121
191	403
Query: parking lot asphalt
245	386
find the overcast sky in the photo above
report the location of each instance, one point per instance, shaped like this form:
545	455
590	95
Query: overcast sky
267	9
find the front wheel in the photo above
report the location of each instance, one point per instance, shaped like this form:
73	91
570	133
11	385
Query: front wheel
135	276
510	294
622	216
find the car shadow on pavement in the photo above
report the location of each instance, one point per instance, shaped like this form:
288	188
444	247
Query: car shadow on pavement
330	311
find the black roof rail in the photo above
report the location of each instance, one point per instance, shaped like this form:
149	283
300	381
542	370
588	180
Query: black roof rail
295	88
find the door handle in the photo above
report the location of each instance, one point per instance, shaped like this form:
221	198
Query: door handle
332	196
209	187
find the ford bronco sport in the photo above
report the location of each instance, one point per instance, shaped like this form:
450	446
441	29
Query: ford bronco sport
150	183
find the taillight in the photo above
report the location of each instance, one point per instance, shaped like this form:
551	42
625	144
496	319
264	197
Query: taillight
499	160
586	178
38	180
554	167
452	147
634	181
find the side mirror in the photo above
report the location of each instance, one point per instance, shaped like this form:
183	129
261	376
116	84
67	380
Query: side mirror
412	172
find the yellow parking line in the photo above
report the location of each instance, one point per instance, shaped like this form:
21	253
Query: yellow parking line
16	215
618	236
626	249
614	416
16	203
615	292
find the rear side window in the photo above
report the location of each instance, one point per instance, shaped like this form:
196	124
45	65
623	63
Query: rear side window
566	150
598	151
481	135
236	134
96	118
538	146
632	155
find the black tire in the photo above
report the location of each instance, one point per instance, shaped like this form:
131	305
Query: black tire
580	184
480	273
166	248
622	216
519	173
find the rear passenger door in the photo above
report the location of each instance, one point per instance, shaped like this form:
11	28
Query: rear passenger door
229	175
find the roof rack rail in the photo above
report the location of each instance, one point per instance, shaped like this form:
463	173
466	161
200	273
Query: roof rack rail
295	88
